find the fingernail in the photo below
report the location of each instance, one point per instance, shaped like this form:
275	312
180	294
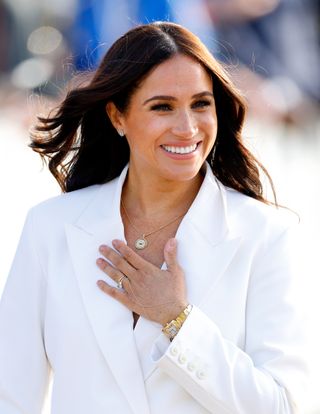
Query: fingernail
102	248
116	243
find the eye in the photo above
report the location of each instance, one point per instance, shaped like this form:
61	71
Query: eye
161	107
201	103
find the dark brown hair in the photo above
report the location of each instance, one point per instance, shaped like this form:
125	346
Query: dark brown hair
84	148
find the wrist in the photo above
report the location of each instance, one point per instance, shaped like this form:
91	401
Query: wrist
171	328
172	312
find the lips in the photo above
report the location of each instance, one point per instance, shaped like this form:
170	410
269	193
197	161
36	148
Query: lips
180	150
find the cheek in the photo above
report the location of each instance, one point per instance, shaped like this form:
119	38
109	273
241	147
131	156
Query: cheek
146	130
210	125
156	125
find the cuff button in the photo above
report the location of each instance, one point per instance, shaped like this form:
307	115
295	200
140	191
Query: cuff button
182	359
191	366
201	374
174	350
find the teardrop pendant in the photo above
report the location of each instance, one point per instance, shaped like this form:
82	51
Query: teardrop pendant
141	243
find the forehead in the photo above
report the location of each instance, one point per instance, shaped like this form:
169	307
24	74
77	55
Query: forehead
178	74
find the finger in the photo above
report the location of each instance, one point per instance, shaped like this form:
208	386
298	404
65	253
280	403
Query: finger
131	257
118	294
111	271
170	254
116	259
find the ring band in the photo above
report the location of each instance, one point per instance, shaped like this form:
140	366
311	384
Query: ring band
119	283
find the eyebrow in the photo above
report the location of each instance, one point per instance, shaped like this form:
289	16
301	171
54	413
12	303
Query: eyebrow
172	98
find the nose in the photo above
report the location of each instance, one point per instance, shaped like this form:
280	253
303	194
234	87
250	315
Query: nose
185	125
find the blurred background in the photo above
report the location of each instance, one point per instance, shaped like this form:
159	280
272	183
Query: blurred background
271	50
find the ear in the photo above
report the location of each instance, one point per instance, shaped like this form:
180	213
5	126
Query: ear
115	116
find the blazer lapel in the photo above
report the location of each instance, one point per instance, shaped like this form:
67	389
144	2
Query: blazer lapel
112	323
207	243
206	246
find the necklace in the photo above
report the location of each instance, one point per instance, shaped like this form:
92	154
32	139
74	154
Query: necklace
142	242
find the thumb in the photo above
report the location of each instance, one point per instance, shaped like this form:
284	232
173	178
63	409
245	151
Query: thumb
170	253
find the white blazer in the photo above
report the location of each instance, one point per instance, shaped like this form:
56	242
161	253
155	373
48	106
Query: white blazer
241	350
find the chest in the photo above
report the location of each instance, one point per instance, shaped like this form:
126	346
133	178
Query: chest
156	241
217	277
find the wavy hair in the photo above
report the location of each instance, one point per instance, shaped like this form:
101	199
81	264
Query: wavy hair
83	147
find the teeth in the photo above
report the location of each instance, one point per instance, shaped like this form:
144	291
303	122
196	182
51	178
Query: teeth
180	150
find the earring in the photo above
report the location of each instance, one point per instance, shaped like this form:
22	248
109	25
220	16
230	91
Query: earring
120	132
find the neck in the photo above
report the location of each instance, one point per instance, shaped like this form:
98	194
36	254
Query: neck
150	198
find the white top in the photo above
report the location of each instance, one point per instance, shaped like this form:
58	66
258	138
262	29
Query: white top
240	351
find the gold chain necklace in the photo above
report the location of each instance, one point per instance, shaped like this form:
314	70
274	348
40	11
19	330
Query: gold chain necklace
142	242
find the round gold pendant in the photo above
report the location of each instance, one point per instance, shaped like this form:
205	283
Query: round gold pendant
141	244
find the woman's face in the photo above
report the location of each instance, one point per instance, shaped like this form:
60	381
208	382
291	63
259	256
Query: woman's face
171	121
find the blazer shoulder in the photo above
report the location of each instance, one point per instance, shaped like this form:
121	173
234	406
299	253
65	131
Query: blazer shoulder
67	207
65	202
251	215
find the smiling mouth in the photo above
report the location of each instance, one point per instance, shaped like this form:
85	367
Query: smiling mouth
180	150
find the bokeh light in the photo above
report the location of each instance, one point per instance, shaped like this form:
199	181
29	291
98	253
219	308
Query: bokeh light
44	40
31	73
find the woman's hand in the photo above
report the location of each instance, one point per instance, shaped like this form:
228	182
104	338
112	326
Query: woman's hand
158	295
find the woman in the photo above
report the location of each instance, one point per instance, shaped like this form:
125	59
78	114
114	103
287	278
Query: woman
161	281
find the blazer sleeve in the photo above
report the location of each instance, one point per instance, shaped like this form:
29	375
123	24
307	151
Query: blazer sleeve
269	375
23	364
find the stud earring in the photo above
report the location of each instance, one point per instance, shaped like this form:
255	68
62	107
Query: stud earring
120	132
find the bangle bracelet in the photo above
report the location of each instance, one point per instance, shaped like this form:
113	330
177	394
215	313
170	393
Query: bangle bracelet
172	328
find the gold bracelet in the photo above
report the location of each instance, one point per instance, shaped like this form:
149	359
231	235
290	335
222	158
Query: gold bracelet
172	328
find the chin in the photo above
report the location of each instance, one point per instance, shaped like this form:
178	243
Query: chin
182	173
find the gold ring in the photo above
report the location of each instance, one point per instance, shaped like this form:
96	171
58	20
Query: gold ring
119	283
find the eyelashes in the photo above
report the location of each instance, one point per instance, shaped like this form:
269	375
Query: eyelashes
201	103
165	107
161	107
